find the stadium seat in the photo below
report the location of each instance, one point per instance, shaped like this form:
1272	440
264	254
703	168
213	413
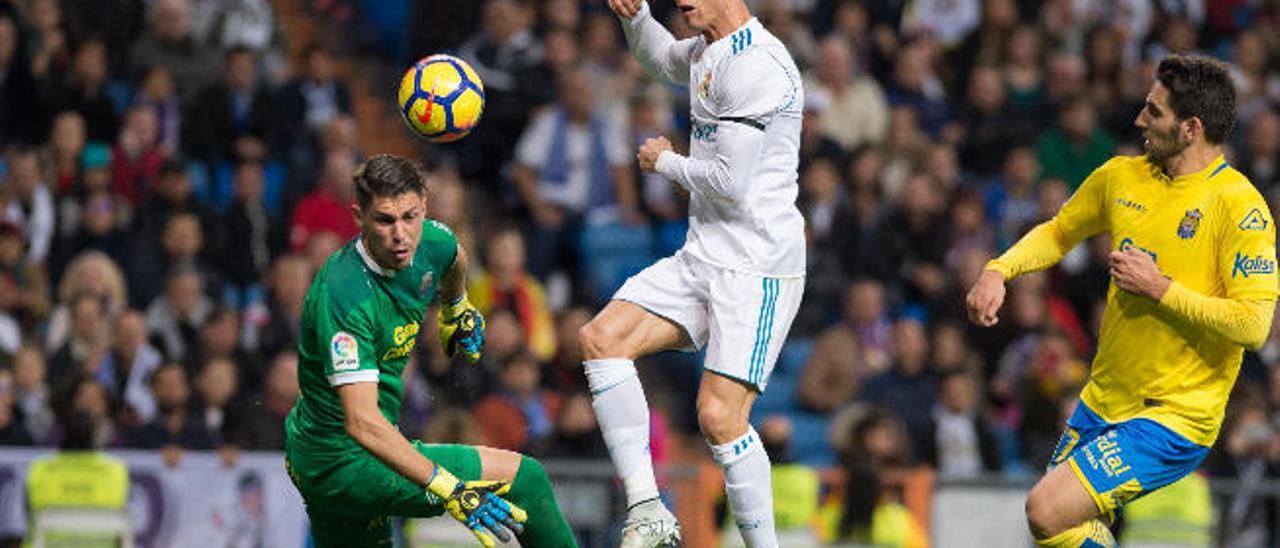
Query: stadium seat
809	443
86	527
793	357
611	253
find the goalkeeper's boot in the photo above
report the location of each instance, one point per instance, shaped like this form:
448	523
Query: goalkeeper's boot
650	525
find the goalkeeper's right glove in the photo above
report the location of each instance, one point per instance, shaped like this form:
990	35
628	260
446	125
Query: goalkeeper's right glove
479	506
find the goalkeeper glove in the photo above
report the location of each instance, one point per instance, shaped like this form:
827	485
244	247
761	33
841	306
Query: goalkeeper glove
461	329
479	506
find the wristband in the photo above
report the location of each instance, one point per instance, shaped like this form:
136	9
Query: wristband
442	483
455	308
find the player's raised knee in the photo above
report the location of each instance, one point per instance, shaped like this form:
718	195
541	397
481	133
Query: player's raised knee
721	421
1043	521
600	340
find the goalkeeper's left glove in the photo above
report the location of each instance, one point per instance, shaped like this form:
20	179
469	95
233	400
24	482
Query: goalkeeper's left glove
461	329
479	506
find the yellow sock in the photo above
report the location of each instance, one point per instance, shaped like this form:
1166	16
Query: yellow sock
1090	534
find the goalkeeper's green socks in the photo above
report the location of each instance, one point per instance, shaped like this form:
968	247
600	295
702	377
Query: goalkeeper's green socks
531	490
1090	534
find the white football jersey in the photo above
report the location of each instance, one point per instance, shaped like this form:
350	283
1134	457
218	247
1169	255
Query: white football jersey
747	105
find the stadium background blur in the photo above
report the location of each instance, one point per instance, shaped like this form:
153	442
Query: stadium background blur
175	171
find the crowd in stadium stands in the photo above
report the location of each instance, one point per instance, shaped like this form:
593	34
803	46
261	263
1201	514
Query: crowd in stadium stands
175	171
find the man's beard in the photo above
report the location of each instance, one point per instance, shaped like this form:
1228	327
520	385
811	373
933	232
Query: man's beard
1160	155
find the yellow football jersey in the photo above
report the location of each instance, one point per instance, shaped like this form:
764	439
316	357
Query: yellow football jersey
1210	232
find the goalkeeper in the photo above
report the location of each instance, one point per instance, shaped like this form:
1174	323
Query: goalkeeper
360	322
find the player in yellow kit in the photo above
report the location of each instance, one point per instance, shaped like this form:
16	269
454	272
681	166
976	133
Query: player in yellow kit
1193	273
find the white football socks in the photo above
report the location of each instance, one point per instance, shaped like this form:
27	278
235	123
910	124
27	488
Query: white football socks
748	485
623	415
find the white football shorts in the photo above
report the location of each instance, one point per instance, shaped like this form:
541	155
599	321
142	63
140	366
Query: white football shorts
741	319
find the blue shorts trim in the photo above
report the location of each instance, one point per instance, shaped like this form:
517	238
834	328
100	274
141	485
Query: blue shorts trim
1119	462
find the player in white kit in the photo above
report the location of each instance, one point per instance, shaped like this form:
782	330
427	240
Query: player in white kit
735	286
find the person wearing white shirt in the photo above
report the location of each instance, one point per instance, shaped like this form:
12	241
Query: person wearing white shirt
736	284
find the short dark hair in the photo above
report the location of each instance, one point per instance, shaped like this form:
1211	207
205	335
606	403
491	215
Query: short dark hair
1200	87
387	176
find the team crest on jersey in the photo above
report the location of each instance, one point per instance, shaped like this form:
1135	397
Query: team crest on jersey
344	351
1190	222
1255	220
704	89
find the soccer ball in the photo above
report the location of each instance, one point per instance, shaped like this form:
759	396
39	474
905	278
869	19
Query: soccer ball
441	98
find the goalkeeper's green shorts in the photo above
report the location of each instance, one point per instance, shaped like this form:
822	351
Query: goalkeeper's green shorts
352	505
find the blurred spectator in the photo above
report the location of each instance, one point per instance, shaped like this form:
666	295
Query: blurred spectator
1257	78
99	229
117	24
915	85
17	86
1250	452
814	142
1023	69
60	158
874	459
787	24
233	119
313	99
31	393
1010	198
917	246
136	158
858	113
272	327
175	424
30	205
88	396
564	372
251	234
1259	157
136	360
239	24
159	92
453	425
947	21
24	289
83	90
508	57
908	388
260	426
174	318
1077	146
861	223
507	285
219	338
991	125
87	351
173	194
89	273
168	42
985	46
572	167
950	349
13	430
576	434
327	208
519	415
968	231
216	387
960	443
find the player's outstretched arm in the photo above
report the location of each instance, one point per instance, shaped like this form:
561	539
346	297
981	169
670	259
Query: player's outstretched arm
477	504
461	324
653	45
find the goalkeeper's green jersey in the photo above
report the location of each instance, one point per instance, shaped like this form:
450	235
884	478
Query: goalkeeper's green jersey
360	323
